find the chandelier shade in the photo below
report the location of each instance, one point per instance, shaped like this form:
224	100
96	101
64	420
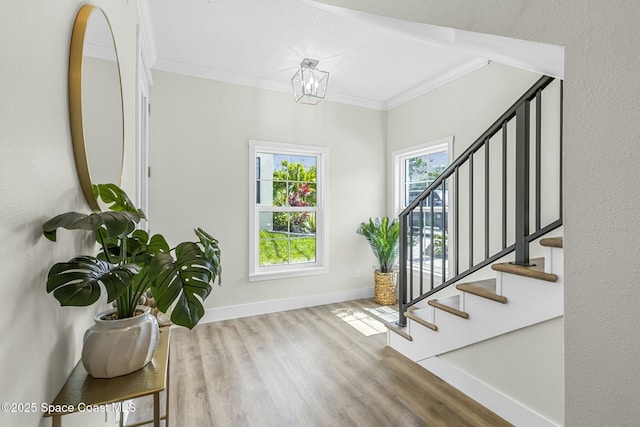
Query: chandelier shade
309	84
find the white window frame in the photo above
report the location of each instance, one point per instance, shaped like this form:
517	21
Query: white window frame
321	265
399	160
399	173
145	81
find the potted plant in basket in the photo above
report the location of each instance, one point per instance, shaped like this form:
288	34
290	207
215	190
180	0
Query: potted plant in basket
383	237
129	264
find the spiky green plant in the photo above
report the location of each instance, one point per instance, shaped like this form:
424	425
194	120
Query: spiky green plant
382	235
130	262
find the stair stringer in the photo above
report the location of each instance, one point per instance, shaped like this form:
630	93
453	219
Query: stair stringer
529	301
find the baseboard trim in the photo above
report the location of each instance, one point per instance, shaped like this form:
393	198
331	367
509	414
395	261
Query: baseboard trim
496	401
264	307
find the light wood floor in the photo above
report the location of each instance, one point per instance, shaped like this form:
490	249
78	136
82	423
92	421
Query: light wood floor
305	367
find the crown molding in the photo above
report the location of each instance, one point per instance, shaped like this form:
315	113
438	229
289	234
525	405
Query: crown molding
429	85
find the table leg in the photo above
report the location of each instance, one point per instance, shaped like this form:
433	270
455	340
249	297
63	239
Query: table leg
56	421
166	392
156	409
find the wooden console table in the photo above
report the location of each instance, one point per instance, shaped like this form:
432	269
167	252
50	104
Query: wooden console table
82	391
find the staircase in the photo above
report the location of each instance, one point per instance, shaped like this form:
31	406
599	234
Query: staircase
517	298
506	200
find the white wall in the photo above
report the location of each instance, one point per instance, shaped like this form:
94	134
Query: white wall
200	169
41	341
526	365
464	108
601	191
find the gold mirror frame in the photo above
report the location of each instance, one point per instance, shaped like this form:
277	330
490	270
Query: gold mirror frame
76	55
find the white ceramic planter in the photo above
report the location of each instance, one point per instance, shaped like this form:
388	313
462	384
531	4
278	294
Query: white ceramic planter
118	347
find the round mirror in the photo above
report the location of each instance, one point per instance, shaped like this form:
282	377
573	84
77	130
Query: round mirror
95	102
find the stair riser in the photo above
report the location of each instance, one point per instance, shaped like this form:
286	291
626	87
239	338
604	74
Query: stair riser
476	304
554	261
517	312
525	292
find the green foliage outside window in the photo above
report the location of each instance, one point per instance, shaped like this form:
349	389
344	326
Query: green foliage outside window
277	248
292	238
421	169
297	187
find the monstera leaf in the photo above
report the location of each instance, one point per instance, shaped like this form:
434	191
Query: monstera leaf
140	249
184	280
120	202
117	224
211	251
78	281
158	244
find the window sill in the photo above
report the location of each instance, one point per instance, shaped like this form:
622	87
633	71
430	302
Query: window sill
283	274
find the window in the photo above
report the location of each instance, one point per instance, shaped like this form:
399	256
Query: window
287	212
414	170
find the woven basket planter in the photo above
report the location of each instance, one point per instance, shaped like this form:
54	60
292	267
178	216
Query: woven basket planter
385	288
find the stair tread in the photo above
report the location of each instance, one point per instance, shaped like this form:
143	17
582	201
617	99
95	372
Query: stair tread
420	315
450	305
552	242
483	288
402	331
536	271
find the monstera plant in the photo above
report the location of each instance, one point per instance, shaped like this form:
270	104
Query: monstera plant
130	262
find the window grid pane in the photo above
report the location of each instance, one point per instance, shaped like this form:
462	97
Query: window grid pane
420	171
286	203
287	238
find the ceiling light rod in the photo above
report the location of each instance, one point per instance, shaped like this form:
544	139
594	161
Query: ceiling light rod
309	84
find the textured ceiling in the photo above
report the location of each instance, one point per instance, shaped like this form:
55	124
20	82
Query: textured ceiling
373	61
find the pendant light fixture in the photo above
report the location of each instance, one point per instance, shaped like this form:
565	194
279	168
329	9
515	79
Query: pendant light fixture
309	84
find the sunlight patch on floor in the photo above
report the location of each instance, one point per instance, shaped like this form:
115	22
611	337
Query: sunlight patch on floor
362	322
386	313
